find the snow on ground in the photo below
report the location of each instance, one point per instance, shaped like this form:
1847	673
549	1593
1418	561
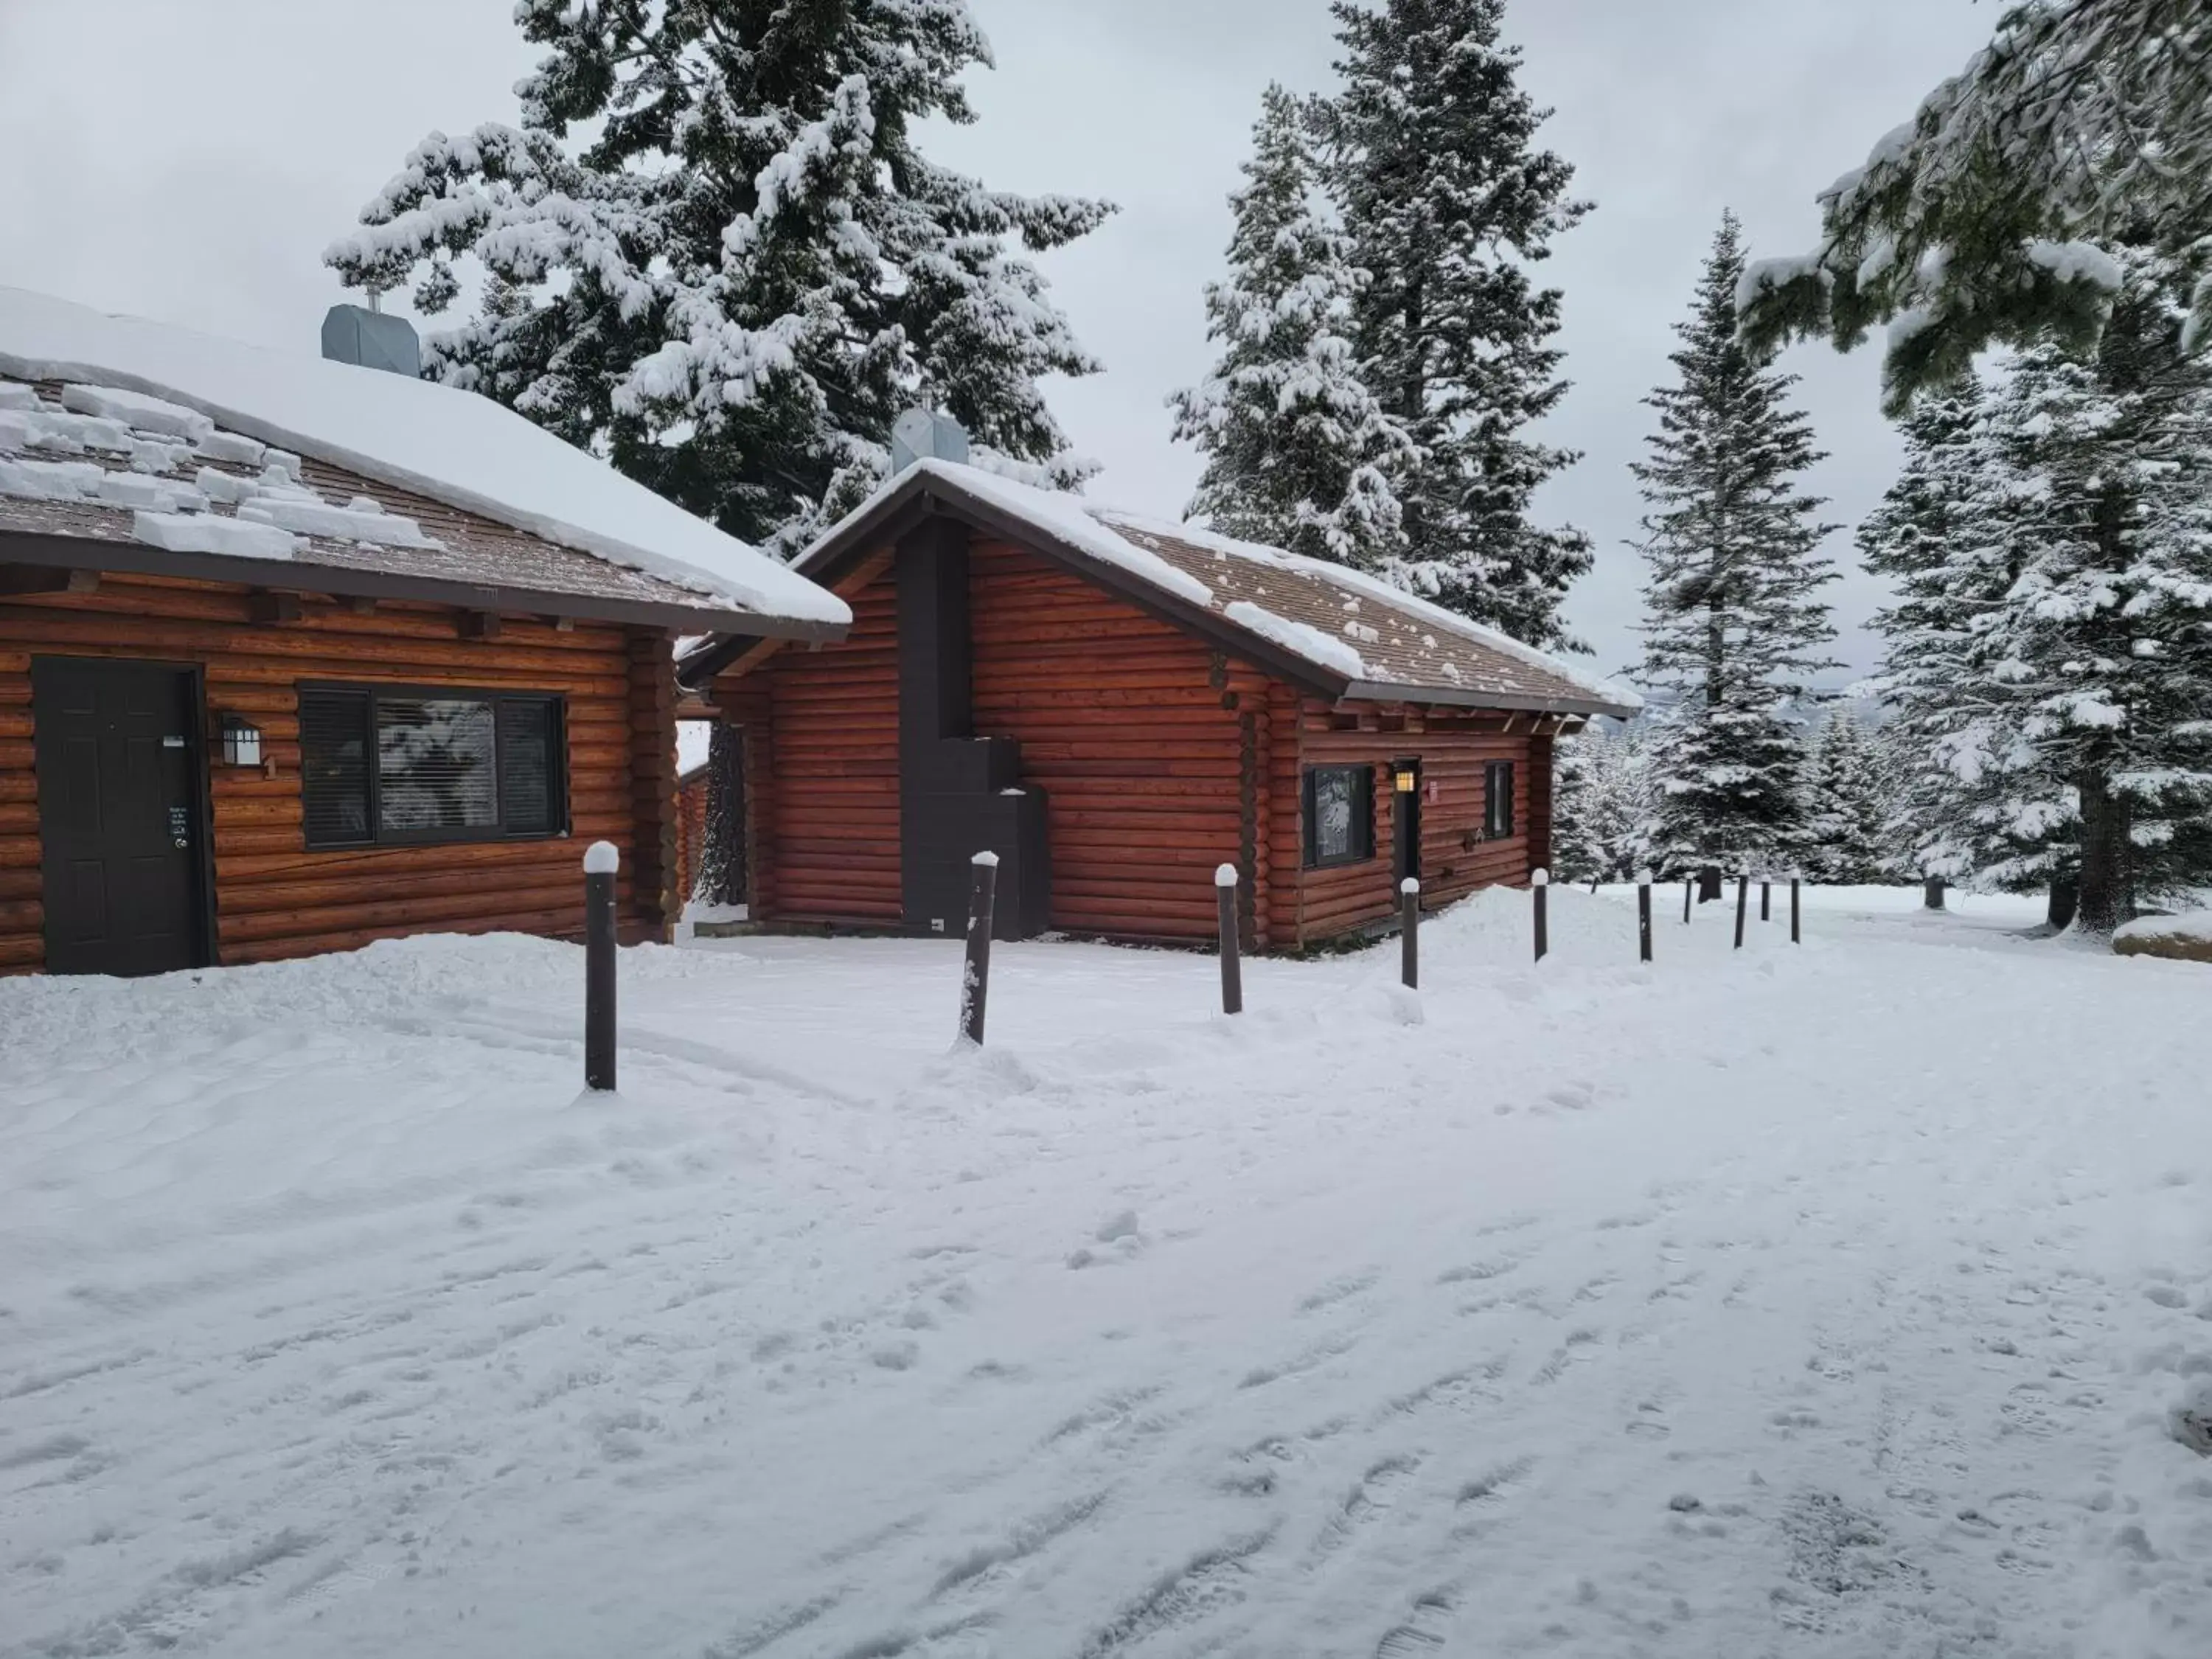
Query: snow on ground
1839	1301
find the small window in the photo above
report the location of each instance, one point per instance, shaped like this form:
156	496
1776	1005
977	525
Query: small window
1497	801
1339	815
391	765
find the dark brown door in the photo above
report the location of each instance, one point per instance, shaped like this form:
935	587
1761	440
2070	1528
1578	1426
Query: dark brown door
119	818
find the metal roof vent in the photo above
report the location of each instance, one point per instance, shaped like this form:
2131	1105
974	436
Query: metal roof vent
923	434
356	334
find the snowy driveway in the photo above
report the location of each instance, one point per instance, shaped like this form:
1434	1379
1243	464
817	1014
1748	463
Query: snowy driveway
1815	1303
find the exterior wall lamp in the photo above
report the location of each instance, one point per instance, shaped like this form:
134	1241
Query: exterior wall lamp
242	741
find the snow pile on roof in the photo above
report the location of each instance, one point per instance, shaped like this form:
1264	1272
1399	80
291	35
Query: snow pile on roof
206	532
156	438
454	446
1299	639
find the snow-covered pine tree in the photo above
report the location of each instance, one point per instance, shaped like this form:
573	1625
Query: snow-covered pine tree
1733	624
1429	155
1845	809
1298	452
1604	806
716	254
2099	660
1970	804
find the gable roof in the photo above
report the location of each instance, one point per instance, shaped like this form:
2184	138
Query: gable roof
1339	632
503	506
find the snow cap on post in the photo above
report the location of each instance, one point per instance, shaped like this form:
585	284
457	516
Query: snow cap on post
1411	884
1647	878
988	860
1225	875
602	859
1541	878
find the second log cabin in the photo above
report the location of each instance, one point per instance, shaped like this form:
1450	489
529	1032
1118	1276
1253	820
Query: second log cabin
1117	706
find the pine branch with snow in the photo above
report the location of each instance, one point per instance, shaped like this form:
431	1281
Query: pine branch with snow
1734	625
1981	220
748	270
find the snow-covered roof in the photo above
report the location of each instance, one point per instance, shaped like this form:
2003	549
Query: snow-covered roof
1347	632
207	401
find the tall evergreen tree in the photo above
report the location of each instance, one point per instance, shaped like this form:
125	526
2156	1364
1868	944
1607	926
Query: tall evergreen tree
1733	622
1430	155
2061	644
717	255
1297	449
2098	664
1952	535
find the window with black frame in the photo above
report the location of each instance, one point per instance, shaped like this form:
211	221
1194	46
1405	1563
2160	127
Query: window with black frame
1497	801
1339	816
386	764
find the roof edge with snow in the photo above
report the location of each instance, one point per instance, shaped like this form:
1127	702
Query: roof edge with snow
454	446
1069	528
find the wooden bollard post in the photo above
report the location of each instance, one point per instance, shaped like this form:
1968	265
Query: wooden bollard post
1742	903
1933	894
600	864
1796	938
1409	932
1232	979
1766	898
1540	883
1643	916
1689	887
976	974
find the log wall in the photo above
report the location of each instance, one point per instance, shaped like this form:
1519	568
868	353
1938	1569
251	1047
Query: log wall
1134	730
1162	757
1456	858
274	898
821	781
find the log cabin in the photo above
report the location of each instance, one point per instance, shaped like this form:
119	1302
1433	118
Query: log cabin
296	654
1116	708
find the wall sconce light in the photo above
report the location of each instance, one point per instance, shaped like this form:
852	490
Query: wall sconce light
1406	781
242	741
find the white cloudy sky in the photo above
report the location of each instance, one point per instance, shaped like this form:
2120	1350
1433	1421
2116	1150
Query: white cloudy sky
188	160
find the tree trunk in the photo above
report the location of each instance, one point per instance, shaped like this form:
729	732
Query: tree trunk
2103	881
721	877
2065	900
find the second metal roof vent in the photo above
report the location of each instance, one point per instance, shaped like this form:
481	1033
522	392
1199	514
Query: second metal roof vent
924	434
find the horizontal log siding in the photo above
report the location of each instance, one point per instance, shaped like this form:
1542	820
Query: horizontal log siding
824	788
275	898
1453	751
1131	726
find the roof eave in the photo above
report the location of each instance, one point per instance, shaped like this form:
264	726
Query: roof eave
1459	697
305	575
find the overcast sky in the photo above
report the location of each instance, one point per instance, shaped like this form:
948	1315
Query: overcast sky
189	161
